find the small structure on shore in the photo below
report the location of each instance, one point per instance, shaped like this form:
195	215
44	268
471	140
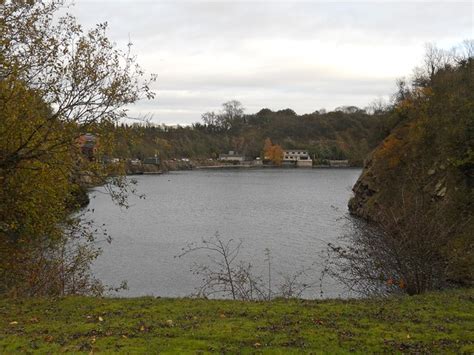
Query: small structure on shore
232	157
257	162
88	144
297	157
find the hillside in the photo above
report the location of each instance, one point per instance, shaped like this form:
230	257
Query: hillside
346	133
436	322
421	177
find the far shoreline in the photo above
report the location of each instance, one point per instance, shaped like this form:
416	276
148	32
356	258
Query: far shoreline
240	167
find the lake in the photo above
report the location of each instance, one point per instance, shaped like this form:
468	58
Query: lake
292	212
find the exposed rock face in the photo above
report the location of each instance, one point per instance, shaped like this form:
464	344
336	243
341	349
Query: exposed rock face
364	189
402	168
383	178
419	182
403	171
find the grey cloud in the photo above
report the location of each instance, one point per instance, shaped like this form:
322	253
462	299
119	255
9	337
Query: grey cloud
237	20
185	30
282	80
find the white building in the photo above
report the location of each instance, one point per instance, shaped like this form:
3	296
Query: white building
232	156
299	157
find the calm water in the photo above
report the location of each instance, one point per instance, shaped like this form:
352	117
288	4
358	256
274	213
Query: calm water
293	212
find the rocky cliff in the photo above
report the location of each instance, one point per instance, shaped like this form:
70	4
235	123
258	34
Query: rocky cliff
425	166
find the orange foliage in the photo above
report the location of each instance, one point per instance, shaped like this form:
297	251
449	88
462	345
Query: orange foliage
405	105
273	152
389	151
389	145
427	91
400	283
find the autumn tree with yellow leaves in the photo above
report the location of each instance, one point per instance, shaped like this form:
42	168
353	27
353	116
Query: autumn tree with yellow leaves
272	152
57	82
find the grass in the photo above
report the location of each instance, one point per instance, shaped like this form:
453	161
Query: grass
438	322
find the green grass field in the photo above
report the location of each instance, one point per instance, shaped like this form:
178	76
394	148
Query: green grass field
437	322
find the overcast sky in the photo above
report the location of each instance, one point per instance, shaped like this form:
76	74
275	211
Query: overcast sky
303	55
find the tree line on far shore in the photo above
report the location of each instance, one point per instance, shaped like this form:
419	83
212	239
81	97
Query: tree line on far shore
348	132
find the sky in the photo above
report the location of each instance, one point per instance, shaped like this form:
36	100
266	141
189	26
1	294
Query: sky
303	55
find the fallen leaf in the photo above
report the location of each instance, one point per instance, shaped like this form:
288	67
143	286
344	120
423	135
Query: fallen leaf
101	319
257	345
14	322
34	320
169	323
48	338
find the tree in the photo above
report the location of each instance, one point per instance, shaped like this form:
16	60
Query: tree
272	152
404	251
210	118
225	275
348	109
80	75
232	110
231	115
57	82
286	112
435	59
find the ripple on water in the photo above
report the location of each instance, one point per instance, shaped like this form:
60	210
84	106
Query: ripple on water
293	212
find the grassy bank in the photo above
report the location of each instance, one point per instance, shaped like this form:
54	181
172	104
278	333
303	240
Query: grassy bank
438	322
